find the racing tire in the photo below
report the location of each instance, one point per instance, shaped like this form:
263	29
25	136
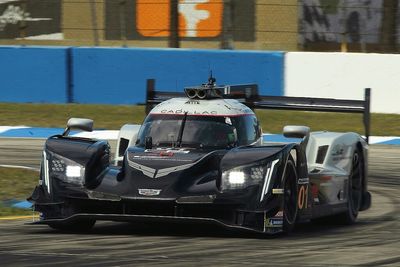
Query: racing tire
74	226
290	207
355	188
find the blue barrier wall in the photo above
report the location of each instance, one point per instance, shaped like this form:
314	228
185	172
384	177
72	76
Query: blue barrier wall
118	75
33	74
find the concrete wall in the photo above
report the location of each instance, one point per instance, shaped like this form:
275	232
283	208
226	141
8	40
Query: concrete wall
33	74
118	76
345	75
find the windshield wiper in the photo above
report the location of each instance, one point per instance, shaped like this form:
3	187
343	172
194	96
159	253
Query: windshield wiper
179	140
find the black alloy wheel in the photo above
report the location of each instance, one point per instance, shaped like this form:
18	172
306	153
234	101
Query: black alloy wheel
354	187
290	196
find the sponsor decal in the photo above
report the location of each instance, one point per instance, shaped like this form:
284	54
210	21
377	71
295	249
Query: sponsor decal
162	158
239	108
156	154
181	111
13	15
192	102
149	192
325	21
337	150
197	19
157	173
159	151
302	199
303	180
163	154
278	191
34	19
274	222
166	153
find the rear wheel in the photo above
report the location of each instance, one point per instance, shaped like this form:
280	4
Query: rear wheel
290	196
74	226
354	187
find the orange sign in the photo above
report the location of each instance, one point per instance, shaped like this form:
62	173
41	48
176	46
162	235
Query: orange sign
197	18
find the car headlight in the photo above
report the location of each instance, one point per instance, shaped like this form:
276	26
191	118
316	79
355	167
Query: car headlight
66	170
244	176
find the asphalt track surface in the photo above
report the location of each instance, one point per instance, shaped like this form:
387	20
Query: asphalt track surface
373	241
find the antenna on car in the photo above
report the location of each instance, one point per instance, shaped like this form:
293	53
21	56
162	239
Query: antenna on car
211	80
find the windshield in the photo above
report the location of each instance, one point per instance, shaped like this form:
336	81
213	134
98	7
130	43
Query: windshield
197	131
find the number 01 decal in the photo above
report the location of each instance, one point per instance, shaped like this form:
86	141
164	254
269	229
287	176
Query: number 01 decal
303	196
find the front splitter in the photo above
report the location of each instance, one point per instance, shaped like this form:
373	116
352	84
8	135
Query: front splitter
151	218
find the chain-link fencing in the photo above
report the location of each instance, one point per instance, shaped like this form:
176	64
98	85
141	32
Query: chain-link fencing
288	25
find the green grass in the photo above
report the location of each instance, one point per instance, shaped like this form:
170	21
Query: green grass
56	115
16	184
381	124
8	211
113	117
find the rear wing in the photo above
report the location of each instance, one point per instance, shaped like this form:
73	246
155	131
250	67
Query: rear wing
248	95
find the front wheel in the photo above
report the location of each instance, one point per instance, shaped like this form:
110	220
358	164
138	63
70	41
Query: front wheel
290	196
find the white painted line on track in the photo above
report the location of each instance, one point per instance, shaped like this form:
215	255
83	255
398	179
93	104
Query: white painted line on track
19	167
22	217
7	128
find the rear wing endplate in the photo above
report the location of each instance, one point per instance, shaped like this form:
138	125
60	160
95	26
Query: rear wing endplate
248	95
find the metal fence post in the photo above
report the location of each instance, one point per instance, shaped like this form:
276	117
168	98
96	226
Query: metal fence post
150	88
94	22
174	24
367	114
69	76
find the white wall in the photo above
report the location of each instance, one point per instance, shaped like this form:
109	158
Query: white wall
345	75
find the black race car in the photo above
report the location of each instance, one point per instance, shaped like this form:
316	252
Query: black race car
201	157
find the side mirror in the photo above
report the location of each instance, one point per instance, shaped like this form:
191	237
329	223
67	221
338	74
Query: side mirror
294	131
80	124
